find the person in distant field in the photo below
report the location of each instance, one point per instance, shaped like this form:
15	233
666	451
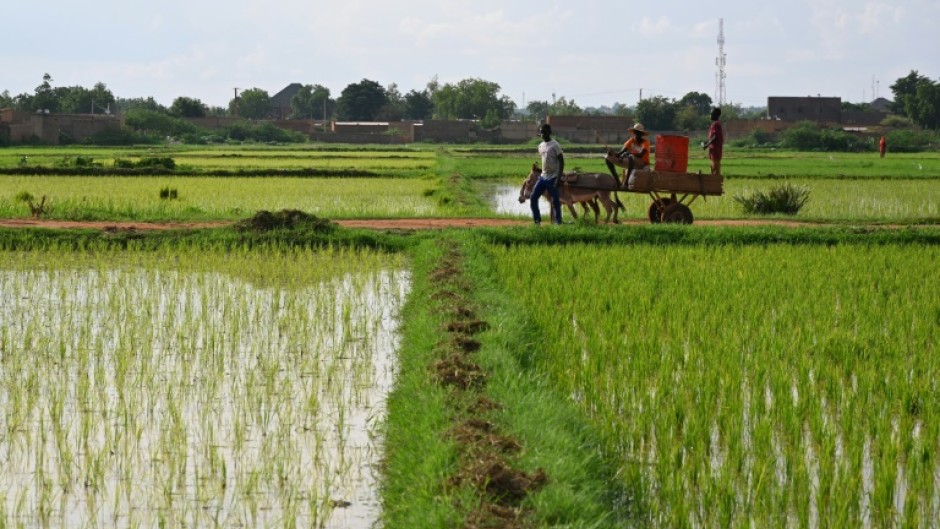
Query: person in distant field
882	146
553	165
716	141
636	153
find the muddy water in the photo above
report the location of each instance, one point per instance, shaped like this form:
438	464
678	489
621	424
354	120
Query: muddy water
504	199
146	398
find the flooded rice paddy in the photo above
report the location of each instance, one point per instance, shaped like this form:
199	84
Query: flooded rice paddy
167	394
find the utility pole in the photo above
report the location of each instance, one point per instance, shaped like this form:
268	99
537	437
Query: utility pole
720	62
235	104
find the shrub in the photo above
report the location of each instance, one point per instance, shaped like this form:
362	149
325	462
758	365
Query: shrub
268	132
757	138
123	136
78	161
168	193
159	123
157	161
786	198
36	209
910	140
807	136
897	122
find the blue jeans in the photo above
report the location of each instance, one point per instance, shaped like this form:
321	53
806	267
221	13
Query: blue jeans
543	185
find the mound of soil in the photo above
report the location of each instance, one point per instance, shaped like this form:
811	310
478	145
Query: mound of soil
286	219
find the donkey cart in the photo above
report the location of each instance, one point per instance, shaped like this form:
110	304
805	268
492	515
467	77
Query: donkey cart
670	187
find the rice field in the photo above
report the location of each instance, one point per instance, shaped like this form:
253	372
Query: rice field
756	386
830	200
736	164
208	198
192	389
385	161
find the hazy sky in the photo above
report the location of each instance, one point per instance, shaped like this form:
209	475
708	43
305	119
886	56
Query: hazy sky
594	52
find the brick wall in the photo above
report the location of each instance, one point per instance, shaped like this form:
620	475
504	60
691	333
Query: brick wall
356	137
520	131
863	118
213	123
599	123
818	109
447	131
359	127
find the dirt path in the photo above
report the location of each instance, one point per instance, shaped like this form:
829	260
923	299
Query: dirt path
390	224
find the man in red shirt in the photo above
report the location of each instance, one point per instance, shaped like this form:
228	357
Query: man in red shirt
716	140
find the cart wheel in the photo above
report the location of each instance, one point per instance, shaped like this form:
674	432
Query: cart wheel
655	212
677	214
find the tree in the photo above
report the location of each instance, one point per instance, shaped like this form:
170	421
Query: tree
905	91
65	99
253	103
918	97
847	106
688	118
6	100
701	102
621	109
471	99
538	109
217	112
657	113
564	107
394	108
418	105
490	120
43	98
927	106
140	103
692	111
433	86
361	101
187	107
312	102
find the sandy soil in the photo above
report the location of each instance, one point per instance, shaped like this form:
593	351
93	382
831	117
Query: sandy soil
378	224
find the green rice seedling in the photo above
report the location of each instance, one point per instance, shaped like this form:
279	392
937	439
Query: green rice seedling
173	388
740	384
833	200
133	198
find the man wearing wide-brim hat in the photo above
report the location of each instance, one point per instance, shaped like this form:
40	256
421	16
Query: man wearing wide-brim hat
634	156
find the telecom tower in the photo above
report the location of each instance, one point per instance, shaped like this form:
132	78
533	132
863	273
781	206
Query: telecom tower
720	62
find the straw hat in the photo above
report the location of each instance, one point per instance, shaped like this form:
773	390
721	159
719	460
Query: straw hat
637	128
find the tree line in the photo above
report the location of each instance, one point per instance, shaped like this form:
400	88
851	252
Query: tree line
917	98
366	100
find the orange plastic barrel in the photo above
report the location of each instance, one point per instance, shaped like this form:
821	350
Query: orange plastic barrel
672	153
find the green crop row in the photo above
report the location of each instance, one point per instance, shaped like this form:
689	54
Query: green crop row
775	385
736	164
206	198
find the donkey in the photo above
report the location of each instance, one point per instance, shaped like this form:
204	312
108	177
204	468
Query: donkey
570	194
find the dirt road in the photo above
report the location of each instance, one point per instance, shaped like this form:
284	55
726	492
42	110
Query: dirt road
382	224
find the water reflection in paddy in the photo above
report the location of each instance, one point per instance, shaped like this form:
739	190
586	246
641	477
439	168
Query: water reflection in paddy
151	398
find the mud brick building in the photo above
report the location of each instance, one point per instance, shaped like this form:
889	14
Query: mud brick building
26	127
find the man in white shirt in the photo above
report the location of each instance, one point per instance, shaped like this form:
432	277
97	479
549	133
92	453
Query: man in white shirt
553	165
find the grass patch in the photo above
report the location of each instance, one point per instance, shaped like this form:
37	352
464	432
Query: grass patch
469	388
786	198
